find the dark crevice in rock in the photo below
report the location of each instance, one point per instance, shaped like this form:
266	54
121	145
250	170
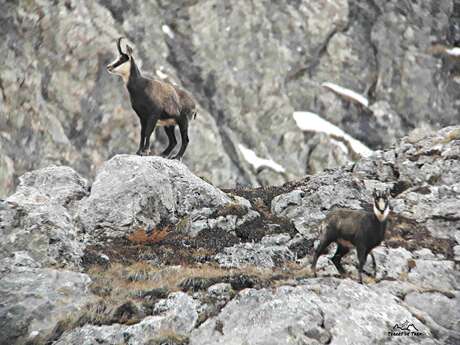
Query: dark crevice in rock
181	57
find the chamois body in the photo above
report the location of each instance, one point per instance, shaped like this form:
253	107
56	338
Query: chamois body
156	103
354	228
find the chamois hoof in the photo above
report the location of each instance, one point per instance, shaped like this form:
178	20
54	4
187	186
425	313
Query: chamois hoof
143	153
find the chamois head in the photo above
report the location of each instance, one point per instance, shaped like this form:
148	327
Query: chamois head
122	65
381	204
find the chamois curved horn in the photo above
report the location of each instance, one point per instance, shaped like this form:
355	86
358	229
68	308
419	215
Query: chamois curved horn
119	46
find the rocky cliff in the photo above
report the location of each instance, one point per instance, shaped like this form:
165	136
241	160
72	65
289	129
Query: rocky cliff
250	65
149	253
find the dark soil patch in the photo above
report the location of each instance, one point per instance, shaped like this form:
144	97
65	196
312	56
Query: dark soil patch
174	249
407	233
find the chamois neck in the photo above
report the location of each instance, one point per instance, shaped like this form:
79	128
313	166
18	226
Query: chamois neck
134	72
381	224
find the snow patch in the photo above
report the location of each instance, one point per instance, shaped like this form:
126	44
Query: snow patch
161	74
347	93
455	51
167	30
257	162
312	122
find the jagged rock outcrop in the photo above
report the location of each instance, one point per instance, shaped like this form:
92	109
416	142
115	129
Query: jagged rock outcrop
38	217
59	106
35	298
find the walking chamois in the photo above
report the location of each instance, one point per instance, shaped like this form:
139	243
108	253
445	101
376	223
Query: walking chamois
157	103
361	229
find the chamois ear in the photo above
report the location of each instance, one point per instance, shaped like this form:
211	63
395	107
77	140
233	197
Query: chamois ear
129	50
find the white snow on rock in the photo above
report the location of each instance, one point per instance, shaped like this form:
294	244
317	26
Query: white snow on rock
257	162
347	93
167	30
311	122
161	74
454	51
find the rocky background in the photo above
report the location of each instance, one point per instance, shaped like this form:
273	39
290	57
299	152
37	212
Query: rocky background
249	64
99	246
149	253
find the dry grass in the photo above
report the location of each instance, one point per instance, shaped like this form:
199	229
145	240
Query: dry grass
140	236
127	293
231	209
120	282
168	337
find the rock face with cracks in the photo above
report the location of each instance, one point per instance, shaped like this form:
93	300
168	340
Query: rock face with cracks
233	266
60	106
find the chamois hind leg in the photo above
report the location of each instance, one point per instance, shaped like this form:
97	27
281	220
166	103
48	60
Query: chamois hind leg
339	254
323	244
172	141
183	126
362	256
142	140
150	126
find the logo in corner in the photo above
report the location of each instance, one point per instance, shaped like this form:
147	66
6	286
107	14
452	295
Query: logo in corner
405	329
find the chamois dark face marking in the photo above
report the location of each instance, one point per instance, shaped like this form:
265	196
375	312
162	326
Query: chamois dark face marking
354	228
120	65
381	205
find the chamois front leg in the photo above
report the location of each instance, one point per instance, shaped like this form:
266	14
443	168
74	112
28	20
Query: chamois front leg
183	126
142	140
362	256
150	126
172	141
374	265
323	244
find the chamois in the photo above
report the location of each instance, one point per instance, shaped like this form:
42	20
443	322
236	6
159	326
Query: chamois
155	102
361	229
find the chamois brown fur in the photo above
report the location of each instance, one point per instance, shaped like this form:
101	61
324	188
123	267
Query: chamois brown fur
354	228
155	102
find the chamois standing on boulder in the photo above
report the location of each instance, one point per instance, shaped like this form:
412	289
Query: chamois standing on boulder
361	229
155	102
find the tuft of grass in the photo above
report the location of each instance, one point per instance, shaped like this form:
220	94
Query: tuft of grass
452	135
168	338
183	224
230	209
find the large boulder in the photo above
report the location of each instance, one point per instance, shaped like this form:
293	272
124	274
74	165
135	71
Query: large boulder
132	191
